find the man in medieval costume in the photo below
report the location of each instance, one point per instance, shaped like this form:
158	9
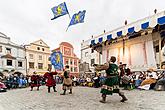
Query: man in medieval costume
50	79
35	81
67	82
111	84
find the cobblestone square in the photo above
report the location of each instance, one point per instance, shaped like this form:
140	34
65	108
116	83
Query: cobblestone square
83	98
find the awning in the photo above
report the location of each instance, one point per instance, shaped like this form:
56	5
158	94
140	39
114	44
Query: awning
143	24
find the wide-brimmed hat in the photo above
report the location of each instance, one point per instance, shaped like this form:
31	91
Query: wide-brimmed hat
150	70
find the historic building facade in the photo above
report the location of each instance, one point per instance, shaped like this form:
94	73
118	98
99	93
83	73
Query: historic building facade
69	57
37	54
12	56
89	56
140	44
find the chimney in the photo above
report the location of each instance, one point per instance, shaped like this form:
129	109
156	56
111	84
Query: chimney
125	22
155	11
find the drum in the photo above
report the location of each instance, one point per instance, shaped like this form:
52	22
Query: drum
126	79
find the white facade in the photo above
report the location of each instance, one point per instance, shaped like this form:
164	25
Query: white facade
12	56
88	56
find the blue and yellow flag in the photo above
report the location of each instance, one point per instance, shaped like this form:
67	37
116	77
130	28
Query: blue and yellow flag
57	60
59	10
78	18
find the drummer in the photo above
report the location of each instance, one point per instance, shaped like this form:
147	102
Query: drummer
111	84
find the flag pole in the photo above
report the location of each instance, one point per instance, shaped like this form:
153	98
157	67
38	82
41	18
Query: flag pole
69	15
67	10
67	29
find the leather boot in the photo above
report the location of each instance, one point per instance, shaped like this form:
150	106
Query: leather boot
54	88
48	89
63	92
70	91
123	97
31	89
103	99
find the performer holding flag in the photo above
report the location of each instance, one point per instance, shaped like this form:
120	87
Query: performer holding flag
57	62
111	84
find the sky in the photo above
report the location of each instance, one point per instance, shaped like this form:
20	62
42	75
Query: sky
26	21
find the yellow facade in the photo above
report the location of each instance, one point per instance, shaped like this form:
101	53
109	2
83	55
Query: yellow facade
37	56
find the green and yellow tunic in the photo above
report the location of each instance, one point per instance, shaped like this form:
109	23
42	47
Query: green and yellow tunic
111	84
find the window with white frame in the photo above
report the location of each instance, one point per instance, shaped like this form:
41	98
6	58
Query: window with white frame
8	50
71	69
40	65
19	63
31	65
40	57
9	62
86	54
71	61
92	62
0	48
31	56
75	69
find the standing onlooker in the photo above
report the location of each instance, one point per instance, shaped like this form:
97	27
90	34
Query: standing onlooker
15	81
35	81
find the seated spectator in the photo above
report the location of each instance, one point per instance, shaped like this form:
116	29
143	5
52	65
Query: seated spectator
151	79
97	81
74	81
138	79
160	85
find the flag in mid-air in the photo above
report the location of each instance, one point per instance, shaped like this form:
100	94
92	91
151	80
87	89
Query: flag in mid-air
57	60
78	18
59	10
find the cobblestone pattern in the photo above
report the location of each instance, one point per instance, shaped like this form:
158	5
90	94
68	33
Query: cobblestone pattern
83	98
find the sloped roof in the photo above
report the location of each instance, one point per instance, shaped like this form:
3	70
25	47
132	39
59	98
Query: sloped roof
38	43
66	44
2	34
